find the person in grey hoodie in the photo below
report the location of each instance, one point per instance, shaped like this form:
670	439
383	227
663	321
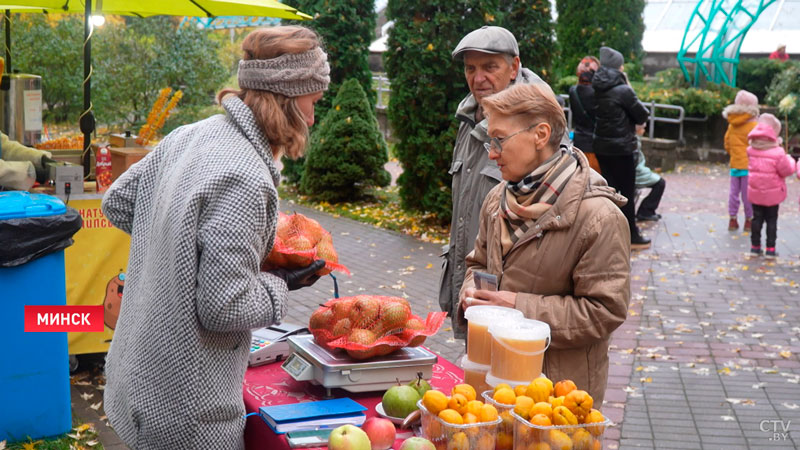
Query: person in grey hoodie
491	64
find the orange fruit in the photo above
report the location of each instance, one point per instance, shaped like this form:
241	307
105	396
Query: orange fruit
523	406
505	441
465	390
542	421
579	402
520	390
458	402
563	416
564	387
597	445
508	419
488	413
559	440
451	416
474	407
505	396
458	441
486	441
539	390
469	418
542	408
595	416
501	386
433	429
434	401
556	401
582	440
540	446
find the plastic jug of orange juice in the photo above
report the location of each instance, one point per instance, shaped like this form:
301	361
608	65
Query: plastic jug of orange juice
479	342
518	348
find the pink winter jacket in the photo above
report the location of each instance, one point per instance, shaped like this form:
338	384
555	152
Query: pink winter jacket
768	168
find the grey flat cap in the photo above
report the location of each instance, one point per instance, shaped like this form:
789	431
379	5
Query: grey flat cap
486	39
611	58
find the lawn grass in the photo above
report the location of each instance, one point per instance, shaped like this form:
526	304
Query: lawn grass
81	437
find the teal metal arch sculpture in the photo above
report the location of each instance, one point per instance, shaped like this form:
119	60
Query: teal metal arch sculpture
714	36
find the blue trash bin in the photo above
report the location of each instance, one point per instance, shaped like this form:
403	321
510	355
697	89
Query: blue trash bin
34	379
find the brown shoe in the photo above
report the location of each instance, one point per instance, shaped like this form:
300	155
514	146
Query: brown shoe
733	224
748	224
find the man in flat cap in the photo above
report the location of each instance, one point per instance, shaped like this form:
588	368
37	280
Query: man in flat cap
491	64
617	112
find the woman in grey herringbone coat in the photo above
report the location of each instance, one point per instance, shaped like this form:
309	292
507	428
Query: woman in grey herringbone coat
202	210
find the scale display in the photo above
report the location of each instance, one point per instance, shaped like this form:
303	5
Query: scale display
297	367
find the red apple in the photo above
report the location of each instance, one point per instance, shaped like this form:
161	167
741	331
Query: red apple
348	437
381	433
417	443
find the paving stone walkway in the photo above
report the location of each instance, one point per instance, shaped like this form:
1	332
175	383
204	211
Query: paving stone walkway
708	357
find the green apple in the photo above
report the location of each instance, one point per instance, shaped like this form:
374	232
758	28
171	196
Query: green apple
420	385
348	437
400	401
417	443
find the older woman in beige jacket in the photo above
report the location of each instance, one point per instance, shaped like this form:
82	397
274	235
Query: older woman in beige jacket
554	237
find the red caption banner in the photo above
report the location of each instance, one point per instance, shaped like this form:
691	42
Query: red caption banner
56	318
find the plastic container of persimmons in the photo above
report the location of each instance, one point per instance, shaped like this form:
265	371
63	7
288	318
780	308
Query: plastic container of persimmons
530	412
459	421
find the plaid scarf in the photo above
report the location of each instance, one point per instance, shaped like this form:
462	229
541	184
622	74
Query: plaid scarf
525	201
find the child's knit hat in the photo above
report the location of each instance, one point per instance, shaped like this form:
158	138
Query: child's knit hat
767	129
746	98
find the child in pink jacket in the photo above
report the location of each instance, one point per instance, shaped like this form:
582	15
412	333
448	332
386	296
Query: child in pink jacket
768	166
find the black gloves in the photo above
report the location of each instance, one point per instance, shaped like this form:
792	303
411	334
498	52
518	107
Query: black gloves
43	173
298	278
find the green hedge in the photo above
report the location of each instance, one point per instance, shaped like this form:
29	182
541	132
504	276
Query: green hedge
347	153
755	75
532	24
347	28
585	25
784	92
427	86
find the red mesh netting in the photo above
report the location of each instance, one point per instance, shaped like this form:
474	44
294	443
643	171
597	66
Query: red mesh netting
371	325
299	241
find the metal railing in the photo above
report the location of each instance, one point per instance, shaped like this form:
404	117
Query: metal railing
384	85
652	108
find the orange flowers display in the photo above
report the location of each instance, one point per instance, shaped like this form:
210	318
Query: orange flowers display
158	115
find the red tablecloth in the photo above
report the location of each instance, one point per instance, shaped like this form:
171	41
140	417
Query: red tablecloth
270	385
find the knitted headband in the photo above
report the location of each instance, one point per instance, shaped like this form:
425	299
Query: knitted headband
291	74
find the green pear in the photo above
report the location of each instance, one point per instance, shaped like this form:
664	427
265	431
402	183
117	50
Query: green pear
420	385
400	401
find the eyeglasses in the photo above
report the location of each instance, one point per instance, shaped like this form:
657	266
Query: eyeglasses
496	144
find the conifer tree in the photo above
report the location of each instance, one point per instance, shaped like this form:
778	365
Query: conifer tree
347	153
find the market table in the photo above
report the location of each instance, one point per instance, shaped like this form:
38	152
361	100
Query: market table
271	385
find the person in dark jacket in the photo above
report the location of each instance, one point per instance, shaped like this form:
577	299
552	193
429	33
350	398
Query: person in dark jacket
581	100
617	113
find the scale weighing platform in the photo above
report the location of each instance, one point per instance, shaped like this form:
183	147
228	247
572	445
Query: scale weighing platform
310	362
269	344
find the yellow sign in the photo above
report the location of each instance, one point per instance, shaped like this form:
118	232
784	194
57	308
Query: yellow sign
95	267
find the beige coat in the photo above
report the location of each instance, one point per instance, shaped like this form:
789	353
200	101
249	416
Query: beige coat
572	271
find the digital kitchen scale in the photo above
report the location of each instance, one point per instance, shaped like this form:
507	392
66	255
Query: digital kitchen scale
310	362
269	344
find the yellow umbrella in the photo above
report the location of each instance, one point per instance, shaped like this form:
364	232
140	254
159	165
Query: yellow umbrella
140	8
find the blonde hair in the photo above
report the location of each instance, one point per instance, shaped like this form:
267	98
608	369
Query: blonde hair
277	115
531	103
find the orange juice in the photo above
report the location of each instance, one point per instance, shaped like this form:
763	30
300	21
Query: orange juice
518	349
479	341
475	375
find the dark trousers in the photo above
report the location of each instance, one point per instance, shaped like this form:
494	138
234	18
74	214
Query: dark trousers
763	214
620	172
650	203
